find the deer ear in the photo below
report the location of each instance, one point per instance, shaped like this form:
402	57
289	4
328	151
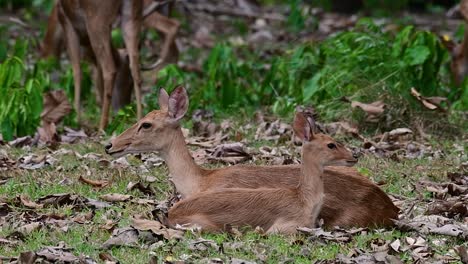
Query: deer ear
178	103
163	99
302	128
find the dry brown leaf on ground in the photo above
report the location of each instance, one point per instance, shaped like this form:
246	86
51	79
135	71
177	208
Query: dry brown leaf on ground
359	256
57	254
373	110
21	142
431	103
28	228
77	201
336	235
152	160
109	225
5	162
450	208
107	258
115	197
433	224
8	243
148	190
126	236
94	183
28	203
156	228
202	244
83	217
231	153
56	106
274	131
342	128
120	163
33	161
146	225
73	136
203	124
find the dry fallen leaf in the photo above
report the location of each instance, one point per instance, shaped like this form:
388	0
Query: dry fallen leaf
431	103
33	162
56	106
144	224
373	109
73	136
94	183
57	254
28	203
115	197
28	228
126	236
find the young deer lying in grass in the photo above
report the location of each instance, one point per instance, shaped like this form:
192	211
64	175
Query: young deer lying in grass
275	210
350	198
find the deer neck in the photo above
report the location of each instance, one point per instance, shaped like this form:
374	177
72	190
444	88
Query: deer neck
185	173
310	187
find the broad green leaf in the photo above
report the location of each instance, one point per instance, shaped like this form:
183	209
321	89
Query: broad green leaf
416	55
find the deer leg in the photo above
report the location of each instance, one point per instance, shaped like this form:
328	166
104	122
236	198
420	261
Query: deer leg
99	35
98	83
53	39
169	28
122	93
73	48
131	24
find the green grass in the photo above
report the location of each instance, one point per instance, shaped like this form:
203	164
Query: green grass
86	239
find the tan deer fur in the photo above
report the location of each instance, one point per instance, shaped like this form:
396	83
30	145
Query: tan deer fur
87	25
277	210
350	198
53	42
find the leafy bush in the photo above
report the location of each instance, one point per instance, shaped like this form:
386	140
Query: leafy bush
364	64
20	94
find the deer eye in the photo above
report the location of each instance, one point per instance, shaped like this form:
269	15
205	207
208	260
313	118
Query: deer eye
146	125
331	146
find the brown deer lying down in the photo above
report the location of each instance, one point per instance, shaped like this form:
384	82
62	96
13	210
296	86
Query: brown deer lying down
276	210
350	199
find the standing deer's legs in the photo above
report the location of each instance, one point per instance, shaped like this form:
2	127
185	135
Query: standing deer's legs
131	24
169	28
98	83
73	48
99	35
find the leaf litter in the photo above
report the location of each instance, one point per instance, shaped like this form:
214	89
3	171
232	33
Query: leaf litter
444	215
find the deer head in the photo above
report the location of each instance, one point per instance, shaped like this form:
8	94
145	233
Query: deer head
155	131
332	153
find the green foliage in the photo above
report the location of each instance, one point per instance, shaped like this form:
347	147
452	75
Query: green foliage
20	94
366	64
363	64
38	4
122	120
295	19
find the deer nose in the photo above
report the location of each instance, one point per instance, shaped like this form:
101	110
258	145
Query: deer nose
355	155
108	147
